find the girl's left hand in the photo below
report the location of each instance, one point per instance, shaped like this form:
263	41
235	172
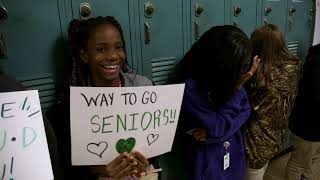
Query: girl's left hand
249	74
143	163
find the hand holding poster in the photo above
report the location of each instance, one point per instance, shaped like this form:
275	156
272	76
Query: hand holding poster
107	121
24	151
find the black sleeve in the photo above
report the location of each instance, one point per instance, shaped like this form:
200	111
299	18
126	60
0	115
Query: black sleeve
53	149
56	117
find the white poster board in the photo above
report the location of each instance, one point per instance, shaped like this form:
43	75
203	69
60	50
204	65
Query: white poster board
24	151
106	121
316	37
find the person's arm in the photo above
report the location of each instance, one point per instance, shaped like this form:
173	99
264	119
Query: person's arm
222	123
53	149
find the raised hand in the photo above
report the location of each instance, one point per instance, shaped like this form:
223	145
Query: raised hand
244	77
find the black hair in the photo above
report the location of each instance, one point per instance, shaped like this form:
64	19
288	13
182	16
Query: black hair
79	34
88	26
216	60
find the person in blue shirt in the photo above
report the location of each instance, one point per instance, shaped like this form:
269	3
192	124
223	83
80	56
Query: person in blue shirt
215	105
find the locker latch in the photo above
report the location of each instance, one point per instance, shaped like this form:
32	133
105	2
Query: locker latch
199	10
292	11
237	10
267	11
85	11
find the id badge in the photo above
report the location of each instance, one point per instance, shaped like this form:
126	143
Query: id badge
226	161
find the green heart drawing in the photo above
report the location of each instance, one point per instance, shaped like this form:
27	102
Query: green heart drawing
125	145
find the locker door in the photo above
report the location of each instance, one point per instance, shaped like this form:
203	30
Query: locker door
31	36
119	9
161	34
204	15
273	11
243	14
300	18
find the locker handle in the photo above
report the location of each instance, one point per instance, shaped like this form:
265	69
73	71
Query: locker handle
3	13
312	11
311	16
290	23
146	33
234	23
196	30
3	51
265	21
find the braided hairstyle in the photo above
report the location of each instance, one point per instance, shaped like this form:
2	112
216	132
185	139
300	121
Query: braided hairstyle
79	33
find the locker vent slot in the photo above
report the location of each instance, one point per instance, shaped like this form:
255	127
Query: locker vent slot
164	70
45	85
293	47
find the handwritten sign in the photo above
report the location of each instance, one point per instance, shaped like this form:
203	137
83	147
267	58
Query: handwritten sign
107	121
24	151
316	36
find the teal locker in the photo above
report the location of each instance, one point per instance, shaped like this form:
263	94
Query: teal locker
32	36
162	45
161	38
204	15
119	9
272	12
243	14
299	26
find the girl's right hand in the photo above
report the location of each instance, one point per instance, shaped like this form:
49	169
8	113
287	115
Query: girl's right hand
198	133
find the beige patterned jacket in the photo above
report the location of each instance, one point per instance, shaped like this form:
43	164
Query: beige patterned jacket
264	131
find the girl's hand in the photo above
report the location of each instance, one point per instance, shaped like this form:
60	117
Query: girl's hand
122	166
143	163
249	74
198	133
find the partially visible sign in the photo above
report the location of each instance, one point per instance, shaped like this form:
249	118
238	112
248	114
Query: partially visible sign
316	37
24	151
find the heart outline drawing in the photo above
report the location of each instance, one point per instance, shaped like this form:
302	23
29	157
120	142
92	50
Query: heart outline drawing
92	147
151	138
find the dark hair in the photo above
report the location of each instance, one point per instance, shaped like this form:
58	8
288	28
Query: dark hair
215	61
269	43
79	34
